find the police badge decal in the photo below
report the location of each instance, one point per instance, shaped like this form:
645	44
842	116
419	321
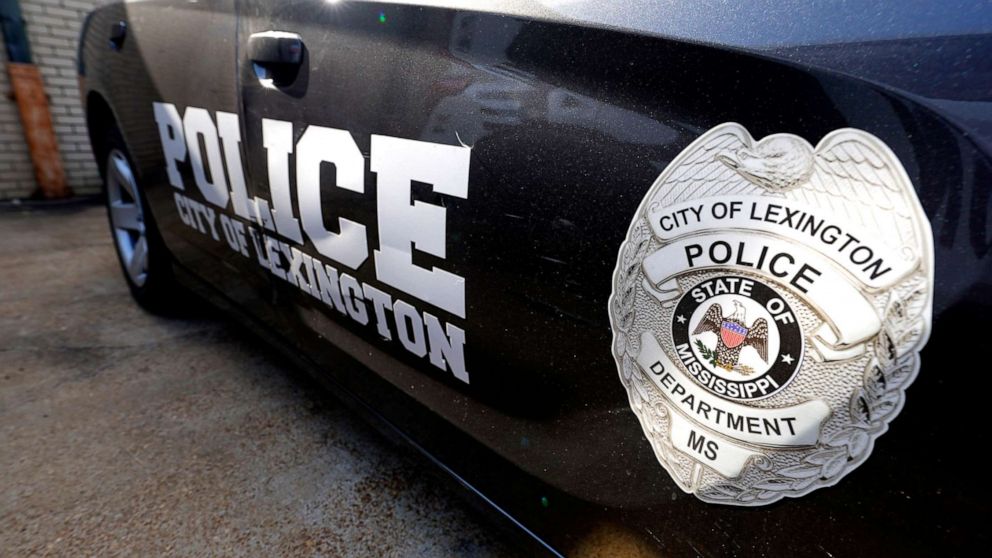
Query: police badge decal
769	304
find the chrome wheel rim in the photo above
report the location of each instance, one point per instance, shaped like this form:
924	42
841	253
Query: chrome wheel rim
127	218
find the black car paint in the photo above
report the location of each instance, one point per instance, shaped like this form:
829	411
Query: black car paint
570	122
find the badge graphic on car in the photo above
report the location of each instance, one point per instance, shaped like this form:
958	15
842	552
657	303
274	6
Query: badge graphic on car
769	304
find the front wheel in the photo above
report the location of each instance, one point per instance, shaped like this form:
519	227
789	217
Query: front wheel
145	260
127	219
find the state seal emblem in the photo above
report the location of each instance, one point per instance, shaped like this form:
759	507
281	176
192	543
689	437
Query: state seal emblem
769	304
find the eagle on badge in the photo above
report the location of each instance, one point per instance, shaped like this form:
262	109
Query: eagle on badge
777	164
733	334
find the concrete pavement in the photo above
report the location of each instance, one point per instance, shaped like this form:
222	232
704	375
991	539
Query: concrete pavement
122	433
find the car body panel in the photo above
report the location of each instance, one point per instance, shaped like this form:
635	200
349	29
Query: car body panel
571	111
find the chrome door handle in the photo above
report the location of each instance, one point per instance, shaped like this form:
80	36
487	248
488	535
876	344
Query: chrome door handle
276	57
118	32
275	48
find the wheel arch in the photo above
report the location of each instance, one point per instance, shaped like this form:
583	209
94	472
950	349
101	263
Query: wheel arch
100	119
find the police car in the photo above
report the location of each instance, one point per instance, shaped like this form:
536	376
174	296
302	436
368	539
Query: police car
642	277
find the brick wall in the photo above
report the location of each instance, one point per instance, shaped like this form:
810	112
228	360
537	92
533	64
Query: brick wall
53	32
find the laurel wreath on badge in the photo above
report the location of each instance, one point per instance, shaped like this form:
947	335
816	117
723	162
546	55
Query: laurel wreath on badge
737	254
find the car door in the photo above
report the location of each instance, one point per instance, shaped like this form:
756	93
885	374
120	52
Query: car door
390	242
358	215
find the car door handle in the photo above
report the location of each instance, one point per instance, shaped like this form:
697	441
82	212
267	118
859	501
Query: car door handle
118	32
275	48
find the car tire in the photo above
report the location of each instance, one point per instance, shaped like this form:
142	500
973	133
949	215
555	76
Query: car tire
145	261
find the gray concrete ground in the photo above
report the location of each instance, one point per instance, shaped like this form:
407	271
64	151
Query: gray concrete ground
126	434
